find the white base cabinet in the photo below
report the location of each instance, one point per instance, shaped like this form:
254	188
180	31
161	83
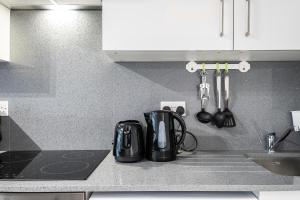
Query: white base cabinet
4	33
42	196
280	195
174	195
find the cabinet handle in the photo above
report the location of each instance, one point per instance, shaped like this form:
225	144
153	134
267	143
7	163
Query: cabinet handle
222	18
248	19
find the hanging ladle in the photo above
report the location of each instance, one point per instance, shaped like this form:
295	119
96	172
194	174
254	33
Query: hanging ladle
219	116
203	116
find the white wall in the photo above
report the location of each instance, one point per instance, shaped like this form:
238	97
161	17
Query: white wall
71	94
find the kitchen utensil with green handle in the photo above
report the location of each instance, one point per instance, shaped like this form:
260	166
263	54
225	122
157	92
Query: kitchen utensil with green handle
219	117
229	121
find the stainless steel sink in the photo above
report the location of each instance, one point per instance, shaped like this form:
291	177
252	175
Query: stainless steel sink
282	164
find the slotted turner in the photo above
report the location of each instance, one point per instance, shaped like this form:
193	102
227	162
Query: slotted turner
229	121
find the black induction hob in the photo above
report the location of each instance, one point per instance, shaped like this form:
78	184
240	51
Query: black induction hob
49	165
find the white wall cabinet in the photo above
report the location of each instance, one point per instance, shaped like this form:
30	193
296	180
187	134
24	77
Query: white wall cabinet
272	24
4	33
177	30
168	25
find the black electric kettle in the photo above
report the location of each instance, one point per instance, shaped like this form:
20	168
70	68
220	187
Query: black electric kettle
161	140
128	141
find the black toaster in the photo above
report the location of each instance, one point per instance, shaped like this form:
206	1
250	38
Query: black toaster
128	143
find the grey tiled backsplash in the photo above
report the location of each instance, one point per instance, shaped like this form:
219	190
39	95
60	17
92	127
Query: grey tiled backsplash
65	93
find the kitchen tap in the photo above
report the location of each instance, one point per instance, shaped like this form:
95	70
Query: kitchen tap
272	143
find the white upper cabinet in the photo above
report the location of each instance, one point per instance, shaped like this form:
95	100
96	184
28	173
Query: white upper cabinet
4	33
167	25
272	25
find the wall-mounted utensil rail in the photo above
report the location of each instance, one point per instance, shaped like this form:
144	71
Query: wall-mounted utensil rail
242	66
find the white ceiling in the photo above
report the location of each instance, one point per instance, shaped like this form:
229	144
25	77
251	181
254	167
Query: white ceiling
42	4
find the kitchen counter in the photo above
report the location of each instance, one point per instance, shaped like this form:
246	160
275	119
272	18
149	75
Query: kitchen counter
200	171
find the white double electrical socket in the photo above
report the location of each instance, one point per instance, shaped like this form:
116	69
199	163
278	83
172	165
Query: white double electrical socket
173	105
3	108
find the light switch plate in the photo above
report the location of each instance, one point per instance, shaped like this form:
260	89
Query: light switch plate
173	105
3	108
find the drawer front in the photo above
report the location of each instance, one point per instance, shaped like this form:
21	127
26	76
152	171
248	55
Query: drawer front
42	196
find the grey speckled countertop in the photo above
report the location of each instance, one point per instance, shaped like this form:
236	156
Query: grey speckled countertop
200	171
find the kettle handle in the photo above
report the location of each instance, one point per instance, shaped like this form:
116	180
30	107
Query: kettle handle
183	127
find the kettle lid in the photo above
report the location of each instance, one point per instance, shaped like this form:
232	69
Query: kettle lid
129	122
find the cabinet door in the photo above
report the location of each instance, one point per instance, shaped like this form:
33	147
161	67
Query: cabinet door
167	24
173	195
4	33
43	196
271	25
279	195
